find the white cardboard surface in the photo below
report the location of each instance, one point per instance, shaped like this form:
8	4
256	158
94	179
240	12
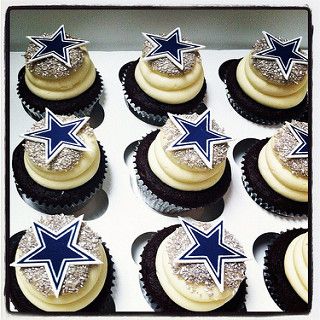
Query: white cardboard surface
127	216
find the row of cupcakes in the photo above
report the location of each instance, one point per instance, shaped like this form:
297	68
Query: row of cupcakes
183	165
267	86
61	265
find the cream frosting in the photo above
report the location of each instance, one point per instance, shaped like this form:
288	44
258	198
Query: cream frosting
178	176
193	294
296	265
70	168
60	88
279	177
169	89
257	87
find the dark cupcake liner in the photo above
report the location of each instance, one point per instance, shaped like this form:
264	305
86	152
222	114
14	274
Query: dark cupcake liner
241	102
156	296
102	304
51	201
259	190
157	117
177	201
80	106
275	278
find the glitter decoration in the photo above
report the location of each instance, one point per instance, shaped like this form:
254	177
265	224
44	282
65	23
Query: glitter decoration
271	70
284	142
76	275
189	157
51	67
170	46
57	45
164	65
195	274
66	160
285	53
57	135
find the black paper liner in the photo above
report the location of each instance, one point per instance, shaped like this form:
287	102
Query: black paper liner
252	110
259	190
275	278
102	304
80	106
166	199
51	201
148	109
157	297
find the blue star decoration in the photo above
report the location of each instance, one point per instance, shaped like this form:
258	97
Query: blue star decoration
56	251
170	46
302	148
209	248
57	45
285	53
57	135
198	135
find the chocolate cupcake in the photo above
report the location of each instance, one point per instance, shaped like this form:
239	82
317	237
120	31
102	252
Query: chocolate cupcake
269	85
275	171
286	271
60	265
183	165
58	75
168	77
60	165
176	281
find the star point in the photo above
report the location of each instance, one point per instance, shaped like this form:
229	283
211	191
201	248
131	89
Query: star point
301	150
285	53
57	135
198	135
170	46
56	251
57	45
208	247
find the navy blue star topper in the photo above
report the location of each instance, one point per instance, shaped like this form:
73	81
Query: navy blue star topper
57	135
170	46
57	45
210	249
56	251
302	148
285	53
198	135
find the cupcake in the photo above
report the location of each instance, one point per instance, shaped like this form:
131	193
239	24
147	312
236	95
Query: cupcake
168	77
269	85
183	165
59	75
60	265
286	270
177	281
59	165
275	170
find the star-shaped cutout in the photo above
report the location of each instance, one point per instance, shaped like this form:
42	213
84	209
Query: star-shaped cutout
57	45
210	249
198	135
170	46
57	135
302	148
285	53
56	251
